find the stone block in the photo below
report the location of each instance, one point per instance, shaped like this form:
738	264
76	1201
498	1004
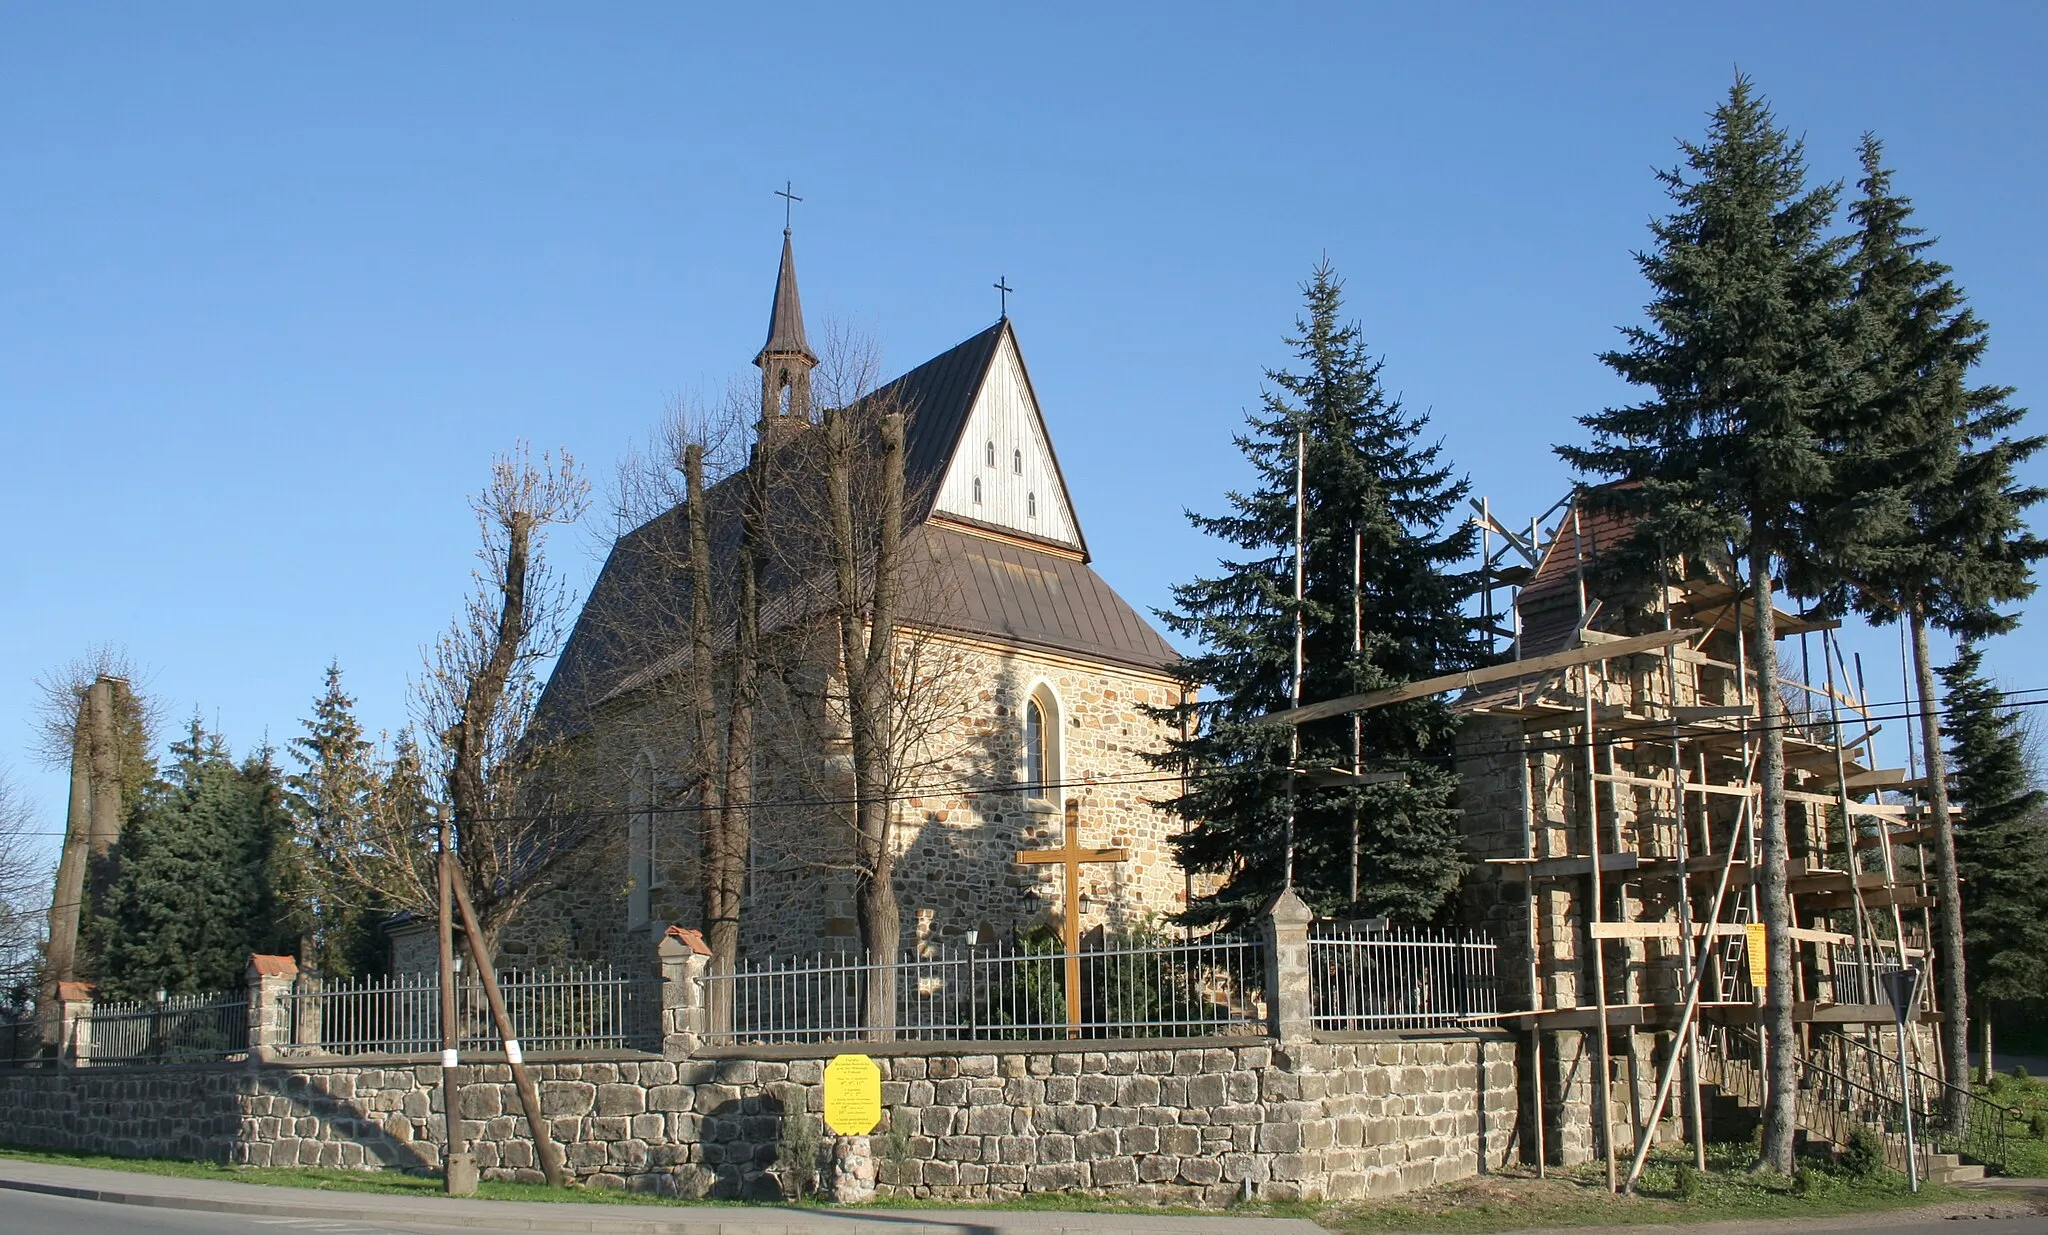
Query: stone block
620	1099
1158	1168
566	1097
1200	1170
1055	1177
1055	1147
1101	1143
990	1121
1112	1173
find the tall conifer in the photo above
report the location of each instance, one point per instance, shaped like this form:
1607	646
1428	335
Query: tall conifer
330	800
1740	358
1938	452
1373	482
191	896
2002	847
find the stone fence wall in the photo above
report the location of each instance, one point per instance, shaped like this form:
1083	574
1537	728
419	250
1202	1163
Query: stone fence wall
1185	1121
1289	1114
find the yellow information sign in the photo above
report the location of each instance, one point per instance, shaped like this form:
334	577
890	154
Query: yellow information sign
853	1095
1759	957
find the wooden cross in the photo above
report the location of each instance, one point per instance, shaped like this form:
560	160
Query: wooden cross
1069	857
789	198
1002	285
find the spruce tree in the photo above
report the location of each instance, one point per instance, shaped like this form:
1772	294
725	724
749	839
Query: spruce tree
330	800
191	896
1939	453
1372	482
2002	846
1741	361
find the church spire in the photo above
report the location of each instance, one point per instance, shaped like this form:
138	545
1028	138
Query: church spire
786	359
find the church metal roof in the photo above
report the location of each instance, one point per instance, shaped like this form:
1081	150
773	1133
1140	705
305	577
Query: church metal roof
786	315
633	628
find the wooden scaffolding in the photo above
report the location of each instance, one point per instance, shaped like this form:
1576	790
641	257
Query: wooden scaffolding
1612	797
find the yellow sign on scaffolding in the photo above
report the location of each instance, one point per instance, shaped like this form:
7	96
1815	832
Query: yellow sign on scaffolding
1759	956
853	1095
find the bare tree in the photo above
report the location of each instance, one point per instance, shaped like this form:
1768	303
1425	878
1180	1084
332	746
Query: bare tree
477	699
24	878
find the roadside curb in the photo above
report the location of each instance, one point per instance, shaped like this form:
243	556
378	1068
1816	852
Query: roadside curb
564	1216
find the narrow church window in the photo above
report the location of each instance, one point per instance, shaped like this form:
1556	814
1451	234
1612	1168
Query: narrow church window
1034	747
1042	770
991	453
977	490
1017	462
1031	505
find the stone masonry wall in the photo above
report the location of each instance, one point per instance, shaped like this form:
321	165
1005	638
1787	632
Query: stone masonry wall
956	870
1183	1122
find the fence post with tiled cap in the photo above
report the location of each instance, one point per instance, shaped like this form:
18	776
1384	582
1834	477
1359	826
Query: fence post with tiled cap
270	980
74	1023
683	957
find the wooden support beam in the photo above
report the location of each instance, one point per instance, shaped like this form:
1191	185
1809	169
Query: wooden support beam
1477	677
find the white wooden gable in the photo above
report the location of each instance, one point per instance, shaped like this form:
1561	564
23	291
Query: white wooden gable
1003	472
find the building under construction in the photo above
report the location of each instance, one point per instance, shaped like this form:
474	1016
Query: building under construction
1612	797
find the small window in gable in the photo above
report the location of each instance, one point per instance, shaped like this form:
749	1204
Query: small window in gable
1017	462
991	453
977	490
1031	505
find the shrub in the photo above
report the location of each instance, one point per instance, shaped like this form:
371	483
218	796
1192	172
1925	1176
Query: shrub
1688	1181
1863	1156
2037	1127
2019	1072
796	1154
1802	1181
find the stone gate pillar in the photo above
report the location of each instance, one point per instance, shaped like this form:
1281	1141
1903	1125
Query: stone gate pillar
270	980
1288	997
682	957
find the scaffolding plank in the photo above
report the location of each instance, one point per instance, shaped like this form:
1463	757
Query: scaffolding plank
1477	677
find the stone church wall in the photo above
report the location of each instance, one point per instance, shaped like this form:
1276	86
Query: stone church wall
957	844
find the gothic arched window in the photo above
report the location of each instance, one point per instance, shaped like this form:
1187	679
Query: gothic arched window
1017	462
977	490
1042	743
991	452
1031	505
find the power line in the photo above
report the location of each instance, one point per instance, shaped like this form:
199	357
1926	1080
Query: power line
968	790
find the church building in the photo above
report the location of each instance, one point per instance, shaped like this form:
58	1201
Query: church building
1045	673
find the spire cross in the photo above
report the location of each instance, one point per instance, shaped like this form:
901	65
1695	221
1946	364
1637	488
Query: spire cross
1069	857
1002	284
789	198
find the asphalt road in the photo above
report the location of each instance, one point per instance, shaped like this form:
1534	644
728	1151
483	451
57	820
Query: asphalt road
31	1213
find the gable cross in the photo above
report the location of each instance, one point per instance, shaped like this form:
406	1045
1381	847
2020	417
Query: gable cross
1070	857
1002	285
789	198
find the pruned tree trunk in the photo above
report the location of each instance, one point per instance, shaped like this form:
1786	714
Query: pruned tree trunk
867	636
724	867
1781	1047
738	792
1948	909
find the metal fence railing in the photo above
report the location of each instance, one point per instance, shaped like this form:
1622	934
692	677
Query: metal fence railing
1846	1085
1197	988
1858	976
1401	978
21	1040
172	1029
560	1009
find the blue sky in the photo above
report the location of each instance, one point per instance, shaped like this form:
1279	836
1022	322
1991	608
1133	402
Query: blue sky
276	282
